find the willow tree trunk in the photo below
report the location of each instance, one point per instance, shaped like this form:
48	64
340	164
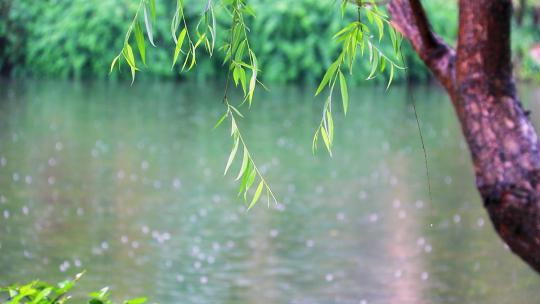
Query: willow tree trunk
502	141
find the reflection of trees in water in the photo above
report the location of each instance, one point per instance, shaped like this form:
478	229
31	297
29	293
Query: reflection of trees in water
408	280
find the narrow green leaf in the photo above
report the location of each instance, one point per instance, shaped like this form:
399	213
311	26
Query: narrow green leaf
327	76
330	123
148	24
236	111
250	180
315	140
232	155
193	58
245	177
374	65
243	81
393	39
380	27
139	39
326	140
115	60
221	120
257	194
344	93
128	54
391	77
245	160
253	80
236	75
179	43
186	59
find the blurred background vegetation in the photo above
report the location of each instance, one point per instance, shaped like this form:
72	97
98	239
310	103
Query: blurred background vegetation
78	39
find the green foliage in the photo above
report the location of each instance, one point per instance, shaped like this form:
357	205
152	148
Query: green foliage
40	292
78	38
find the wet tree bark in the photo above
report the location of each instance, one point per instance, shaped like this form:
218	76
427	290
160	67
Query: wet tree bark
502	141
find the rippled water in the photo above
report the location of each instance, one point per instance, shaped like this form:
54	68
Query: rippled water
127	183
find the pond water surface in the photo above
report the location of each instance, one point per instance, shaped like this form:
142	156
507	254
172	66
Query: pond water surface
127	183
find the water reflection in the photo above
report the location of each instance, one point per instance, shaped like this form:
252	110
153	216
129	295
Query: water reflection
127	183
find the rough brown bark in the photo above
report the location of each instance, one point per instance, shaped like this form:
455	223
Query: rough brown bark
502	141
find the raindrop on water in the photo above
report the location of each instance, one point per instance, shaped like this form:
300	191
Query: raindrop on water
274	233
176	183
144	165
480	222
59	146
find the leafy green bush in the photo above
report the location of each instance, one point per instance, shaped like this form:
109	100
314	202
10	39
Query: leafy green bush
39	292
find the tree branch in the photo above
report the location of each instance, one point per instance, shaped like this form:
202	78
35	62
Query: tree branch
409	18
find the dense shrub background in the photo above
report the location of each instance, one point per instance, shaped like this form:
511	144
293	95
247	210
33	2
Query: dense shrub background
79	38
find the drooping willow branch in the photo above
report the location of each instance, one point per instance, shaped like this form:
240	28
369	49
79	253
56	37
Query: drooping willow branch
355	38
243	68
